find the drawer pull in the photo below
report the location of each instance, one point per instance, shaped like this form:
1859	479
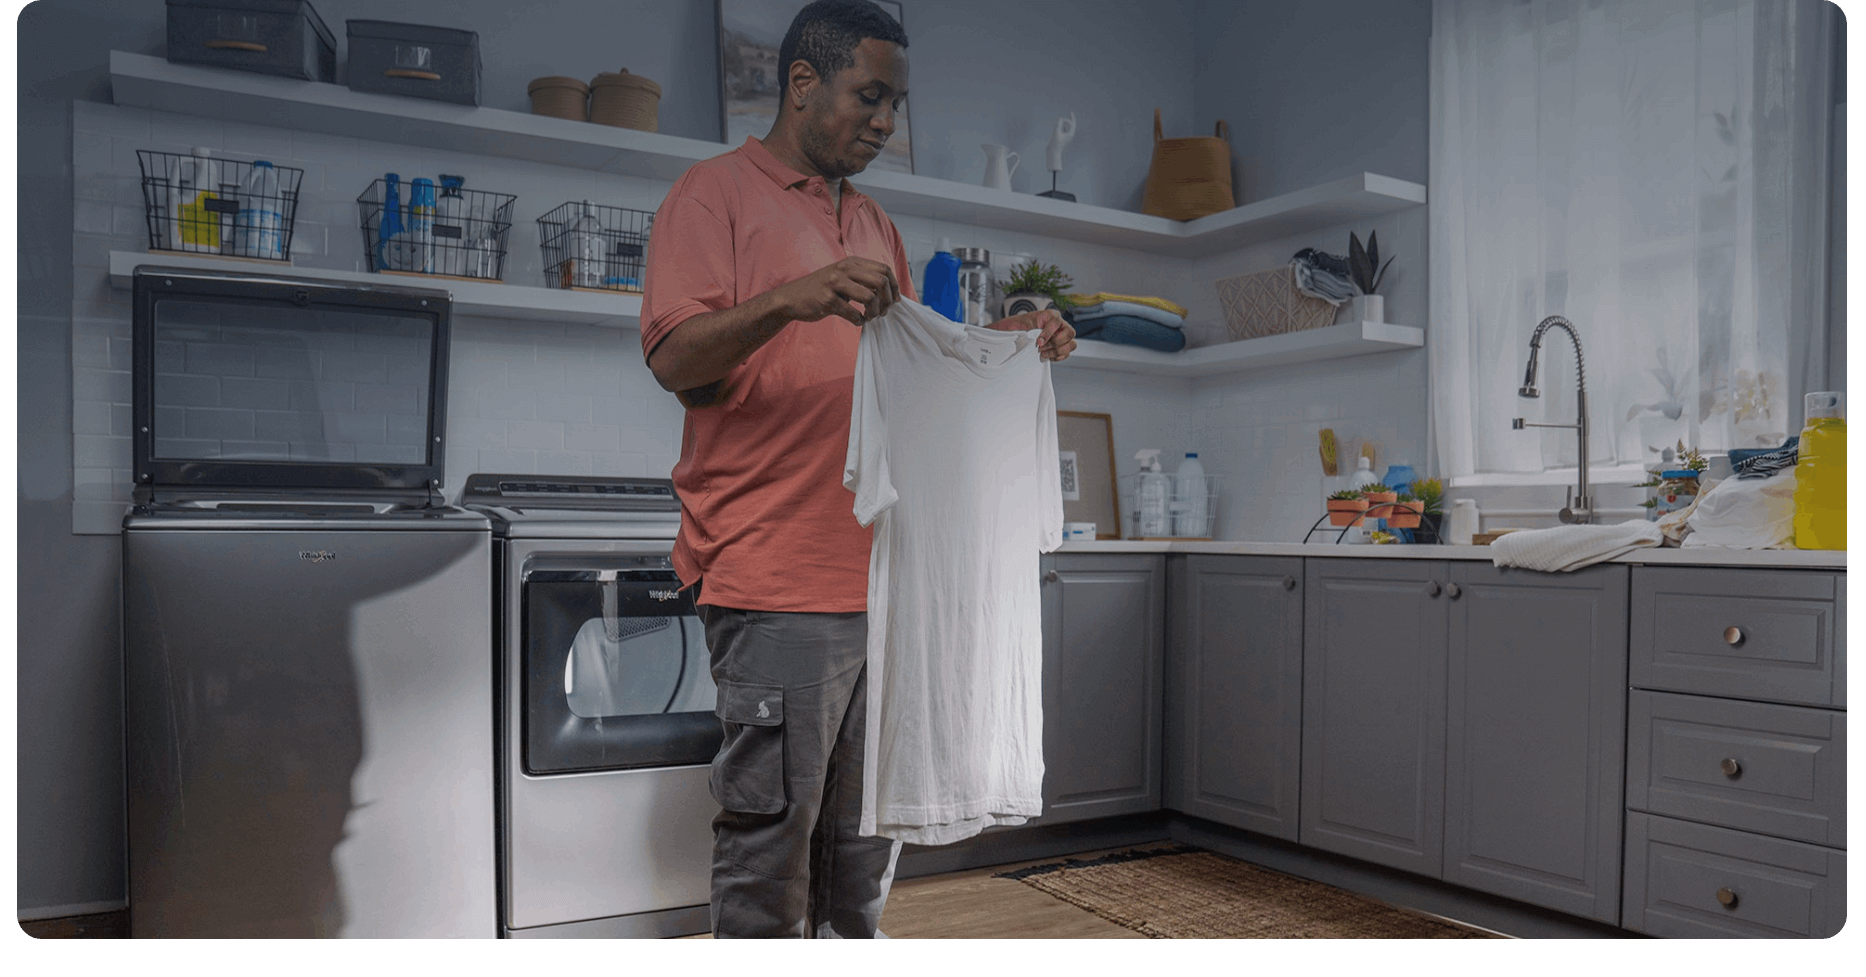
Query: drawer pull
1453	591
411	73
1431	588
1051	576
237	46
1289	583
1733	636
1730	767
1727	897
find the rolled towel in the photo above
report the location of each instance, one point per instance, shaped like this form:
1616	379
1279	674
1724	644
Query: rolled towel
1135	309
1566	548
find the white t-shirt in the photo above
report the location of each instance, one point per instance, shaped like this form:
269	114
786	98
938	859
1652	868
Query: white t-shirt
953	459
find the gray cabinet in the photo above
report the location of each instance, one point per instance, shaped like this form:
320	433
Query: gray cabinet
1535	732
1736	760
1104	625
1233	690
1373	711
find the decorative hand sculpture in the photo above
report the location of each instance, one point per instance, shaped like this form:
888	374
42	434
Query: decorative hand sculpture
1065	131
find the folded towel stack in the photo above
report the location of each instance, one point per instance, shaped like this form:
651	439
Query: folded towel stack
1132	320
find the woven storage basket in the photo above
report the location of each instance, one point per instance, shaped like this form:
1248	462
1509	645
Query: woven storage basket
1189	178
618	98
559	97
1266	303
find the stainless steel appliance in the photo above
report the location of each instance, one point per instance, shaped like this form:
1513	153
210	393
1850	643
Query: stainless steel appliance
308	703
606	704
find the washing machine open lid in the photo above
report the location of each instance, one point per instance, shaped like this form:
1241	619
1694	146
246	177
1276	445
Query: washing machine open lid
255	384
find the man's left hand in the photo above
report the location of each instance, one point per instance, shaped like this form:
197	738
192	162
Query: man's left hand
1058	339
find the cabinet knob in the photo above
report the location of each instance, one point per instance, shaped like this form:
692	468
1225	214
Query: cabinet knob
1289	583
1733	636
1730	767
1453	591
1727	897
1051	576
1431	588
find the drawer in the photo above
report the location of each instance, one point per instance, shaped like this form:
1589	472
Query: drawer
1694	880
1773	635
1778	770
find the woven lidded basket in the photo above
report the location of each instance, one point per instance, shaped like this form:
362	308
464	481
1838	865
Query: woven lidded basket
1188	178
1266	303
618	98
559	97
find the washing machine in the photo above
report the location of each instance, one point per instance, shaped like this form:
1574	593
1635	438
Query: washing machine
308	722
606	700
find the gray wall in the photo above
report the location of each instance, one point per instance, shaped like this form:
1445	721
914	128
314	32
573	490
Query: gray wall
982	72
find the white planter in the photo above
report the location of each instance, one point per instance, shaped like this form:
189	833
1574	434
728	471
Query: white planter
1365	308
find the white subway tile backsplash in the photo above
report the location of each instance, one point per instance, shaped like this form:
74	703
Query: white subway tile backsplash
512	404
255	394
565	462
592	437
470	431
559	405
503	461
537	435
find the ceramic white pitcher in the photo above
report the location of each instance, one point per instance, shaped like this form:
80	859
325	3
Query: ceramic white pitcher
997	172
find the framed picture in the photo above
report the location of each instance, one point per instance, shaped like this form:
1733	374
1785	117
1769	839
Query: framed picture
1086	442
750	33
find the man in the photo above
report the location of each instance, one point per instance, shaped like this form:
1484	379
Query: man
763	266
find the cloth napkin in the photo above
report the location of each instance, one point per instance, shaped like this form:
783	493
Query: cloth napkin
1566	548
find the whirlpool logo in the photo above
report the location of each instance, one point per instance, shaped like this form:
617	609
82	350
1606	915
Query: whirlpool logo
664	594
316	556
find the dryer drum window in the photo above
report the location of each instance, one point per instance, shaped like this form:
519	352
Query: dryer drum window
616	673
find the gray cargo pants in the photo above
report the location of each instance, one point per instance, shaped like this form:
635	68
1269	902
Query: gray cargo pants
793	697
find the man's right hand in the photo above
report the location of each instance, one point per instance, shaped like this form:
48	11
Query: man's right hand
858	289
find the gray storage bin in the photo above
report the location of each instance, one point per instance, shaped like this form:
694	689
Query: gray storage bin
274	37
413	59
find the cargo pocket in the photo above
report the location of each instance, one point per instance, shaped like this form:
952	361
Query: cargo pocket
748	770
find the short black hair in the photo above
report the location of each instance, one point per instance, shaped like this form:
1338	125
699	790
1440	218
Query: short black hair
825	34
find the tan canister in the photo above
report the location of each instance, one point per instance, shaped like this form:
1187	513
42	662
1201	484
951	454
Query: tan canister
559	97
618	98
1189	178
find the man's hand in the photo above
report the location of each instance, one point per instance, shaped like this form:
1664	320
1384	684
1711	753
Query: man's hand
1058	339
857	289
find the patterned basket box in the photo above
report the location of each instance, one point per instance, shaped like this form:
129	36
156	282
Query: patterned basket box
1266	303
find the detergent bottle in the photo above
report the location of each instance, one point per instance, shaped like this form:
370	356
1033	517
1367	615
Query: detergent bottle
939	288
1821	474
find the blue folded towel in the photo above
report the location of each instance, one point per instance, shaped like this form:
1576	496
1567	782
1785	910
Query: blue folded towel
1102	310
1132	331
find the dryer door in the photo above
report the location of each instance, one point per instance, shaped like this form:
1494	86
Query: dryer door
616	672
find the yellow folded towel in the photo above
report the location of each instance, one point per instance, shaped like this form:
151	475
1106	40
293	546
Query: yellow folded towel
1077	301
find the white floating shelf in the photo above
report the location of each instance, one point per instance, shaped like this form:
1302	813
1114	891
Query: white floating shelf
493	299
1326	343
142	81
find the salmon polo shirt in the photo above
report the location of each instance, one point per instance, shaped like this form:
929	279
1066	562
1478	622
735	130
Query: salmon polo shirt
764	517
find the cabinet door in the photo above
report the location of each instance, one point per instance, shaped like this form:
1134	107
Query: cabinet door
1373	711
1103	636
1536	735
1234	700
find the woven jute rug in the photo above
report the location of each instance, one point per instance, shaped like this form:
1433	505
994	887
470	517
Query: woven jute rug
1190	893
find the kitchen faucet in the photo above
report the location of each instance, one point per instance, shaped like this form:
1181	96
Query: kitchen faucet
1580	506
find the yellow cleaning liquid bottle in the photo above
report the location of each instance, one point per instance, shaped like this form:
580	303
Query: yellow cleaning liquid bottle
1821	475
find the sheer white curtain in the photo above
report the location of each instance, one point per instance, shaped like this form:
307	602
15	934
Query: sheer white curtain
1655	171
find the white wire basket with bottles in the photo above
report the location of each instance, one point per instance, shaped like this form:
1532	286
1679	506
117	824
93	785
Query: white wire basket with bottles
591	246
204	204
1173	505
430	227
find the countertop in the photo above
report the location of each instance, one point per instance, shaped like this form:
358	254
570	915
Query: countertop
1658	556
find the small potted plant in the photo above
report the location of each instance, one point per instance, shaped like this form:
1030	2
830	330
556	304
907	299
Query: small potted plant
1034	286
1344	507
1431	495
1406	512
1367	272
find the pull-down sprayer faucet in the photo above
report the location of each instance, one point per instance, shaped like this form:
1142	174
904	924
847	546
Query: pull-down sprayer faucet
1580	507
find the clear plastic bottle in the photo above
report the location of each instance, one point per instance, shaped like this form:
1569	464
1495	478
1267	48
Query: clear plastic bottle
450	232
260	230
1821	474
1153	490
1191	499
421	226
583	251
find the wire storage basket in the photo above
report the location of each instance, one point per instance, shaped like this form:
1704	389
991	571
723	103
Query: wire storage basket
1182	507
201	204
588	245
422	229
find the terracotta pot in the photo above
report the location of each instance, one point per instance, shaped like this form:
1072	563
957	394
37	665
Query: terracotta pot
1343	512
1405	515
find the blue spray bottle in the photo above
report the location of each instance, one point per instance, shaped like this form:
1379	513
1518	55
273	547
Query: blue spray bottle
389	226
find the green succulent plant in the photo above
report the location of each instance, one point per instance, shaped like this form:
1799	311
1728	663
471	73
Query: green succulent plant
1430	491
1041	279
1346	495
1407	497
1374	489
